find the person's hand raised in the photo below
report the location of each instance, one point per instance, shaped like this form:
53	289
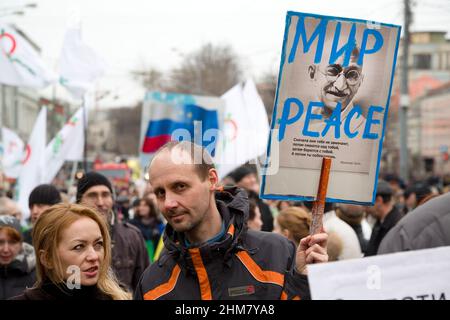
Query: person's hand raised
312	249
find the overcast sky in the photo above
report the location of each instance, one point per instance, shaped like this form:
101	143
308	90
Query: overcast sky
133	33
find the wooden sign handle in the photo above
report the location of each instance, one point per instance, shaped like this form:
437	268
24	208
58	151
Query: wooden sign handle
319	204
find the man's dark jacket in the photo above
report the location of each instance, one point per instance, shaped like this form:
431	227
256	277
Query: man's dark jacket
129	254
380	230
244	264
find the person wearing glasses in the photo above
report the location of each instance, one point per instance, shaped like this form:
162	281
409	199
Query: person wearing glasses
338	115
336	86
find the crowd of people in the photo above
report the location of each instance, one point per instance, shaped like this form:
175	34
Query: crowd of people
190	236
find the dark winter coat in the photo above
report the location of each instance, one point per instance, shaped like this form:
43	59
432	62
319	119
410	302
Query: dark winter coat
129	254
245	265
50	291
19	274
380	230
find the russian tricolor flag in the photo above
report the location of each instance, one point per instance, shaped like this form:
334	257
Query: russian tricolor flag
166	118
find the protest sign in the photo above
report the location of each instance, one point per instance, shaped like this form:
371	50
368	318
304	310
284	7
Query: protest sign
332	101
421	275
172	116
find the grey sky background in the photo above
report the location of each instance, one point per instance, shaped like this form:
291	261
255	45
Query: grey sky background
135	33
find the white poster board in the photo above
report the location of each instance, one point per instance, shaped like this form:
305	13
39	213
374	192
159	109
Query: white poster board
412	275
332	101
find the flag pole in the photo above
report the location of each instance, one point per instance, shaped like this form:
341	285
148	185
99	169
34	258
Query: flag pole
85	131
2	151
319	205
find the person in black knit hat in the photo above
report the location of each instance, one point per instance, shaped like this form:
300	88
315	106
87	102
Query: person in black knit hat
129	253
89	180
41	198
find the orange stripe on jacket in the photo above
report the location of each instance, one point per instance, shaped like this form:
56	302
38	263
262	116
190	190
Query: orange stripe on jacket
284	296
260	275
205	288
165	288
231	230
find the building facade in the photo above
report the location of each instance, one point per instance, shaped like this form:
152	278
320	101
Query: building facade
428	70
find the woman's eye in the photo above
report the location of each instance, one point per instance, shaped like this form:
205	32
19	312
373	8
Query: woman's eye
78	247
99	245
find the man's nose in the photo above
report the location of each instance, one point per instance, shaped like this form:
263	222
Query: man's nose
340	82
100	201
170	202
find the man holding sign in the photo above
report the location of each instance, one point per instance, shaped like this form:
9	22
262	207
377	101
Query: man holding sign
209	251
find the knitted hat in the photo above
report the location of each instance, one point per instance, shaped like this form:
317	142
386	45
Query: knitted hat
89	180
44	194
10	221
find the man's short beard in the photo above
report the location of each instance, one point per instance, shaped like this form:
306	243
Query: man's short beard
187	226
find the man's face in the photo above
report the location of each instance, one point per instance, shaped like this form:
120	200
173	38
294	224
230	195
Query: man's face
249	182
411	201
256	223
376	210
100	198
36	211
335	83
182	197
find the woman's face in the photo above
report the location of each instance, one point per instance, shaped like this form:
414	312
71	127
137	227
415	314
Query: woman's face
81	251
144	209
9	248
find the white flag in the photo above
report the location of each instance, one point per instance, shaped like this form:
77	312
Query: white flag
232	149
67	145
246	128
20	64
80	66
30	175
258	121
12	147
